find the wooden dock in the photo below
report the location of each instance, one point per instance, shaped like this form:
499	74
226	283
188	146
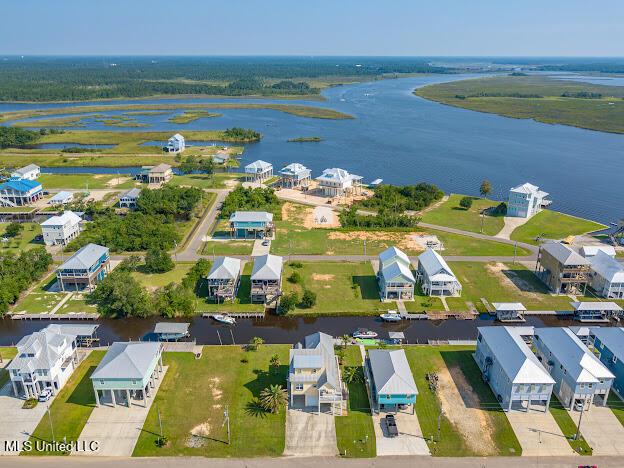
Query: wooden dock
237	315
439	316
558	313
76	316
408	316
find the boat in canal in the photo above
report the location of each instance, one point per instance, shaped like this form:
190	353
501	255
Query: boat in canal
224	318
364	333
391	316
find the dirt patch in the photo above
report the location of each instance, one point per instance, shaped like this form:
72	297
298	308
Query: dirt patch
215	391
461	407
318	277
511	280
403	240
321	217
117	181
198	435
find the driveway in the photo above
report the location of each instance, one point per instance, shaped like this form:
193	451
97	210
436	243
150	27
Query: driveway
17	423
538	434
117	429
259	249
410	440
310	434
602	430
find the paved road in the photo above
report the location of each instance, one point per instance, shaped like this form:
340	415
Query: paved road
286	462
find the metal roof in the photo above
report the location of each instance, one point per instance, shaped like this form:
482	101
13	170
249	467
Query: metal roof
267	267
391	372
607	306
177	137
251	217
335	174
162	167
580	363
225	268
396	335
612	338
44	347
67	216
127	361
26	169
514	356
85	257
529	189
171	327
564	254
395	270
436	267
591	250
60	197
318	353
76	329
607	267
132	193
294	169
258	166
392	254
21	185
509	306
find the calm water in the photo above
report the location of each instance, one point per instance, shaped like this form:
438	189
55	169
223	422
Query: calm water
405	139
277	329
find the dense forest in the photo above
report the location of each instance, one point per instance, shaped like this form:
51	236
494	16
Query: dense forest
76	79
251	199
400	198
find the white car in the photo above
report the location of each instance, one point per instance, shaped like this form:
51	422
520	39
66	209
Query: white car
45	395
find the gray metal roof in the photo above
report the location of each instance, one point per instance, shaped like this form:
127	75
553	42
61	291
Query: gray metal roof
607	267
60	197
602	305
258	166
76	329
391	372
612	338
295	169
67	216
318	353
392	254
225	268
132	193
85	257
127	361
564	254
512	306
397	271
40	350
396	335
251	217
267	267
162	167
514	356
171	328
25	169
433	263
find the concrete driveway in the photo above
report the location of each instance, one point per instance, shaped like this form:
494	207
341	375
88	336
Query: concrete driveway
410	440
16	424
310	434
539	434
117	429
602	430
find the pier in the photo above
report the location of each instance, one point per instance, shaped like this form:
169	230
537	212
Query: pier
238	315
76	316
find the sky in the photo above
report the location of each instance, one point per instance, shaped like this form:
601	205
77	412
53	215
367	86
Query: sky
313	27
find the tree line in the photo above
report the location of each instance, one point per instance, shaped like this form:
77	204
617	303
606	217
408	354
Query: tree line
251	199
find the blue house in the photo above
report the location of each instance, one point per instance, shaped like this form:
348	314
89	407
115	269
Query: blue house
85	268
392	383
20	192
251	224
609	344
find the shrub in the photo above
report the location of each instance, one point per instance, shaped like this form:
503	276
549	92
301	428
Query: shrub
288	303
295	278
158	261
308	300
465	203
296	265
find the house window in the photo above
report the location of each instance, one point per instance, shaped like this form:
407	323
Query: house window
614	360
582	385
101	382
134	382
590	385
299	387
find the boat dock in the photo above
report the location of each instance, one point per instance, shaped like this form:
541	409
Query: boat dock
237	315
76	316
439	316
557	313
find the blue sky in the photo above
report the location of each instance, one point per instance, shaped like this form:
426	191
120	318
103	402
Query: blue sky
313	27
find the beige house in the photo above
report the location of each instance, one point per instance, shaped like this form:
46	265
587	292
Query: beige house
314	375
562	269
160	174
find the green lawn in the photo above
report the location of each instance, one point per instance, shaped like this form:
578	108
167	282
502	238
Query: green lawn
23	241
450	214
71	408
568	427
242	303
498	282
155	280
617	406
6	353
553	225
205	181
81	181
194	394
424	359
355	432
234	247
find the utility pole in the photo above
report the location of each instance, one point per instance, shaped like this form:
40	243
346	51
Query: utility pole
440	423
365	247
578	429
160	424
482	218
51	425
515	250
175	250
226	415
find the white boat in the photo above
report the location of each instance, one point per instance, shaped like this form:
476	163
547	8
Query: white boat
364	333
391	316
224	318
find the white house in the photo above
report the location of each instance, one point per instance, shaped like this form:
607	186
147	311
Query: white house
266	278
59	230
435	276
258	171
526	200
129	198
44	359
510	368
395	278
295	175
175	144
61	198
589	251
314	374
30	172
606	276
335	182
224	278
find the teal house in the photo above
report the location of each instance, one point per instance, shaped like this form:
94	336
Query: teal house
391	380
609	345
251	225
128	373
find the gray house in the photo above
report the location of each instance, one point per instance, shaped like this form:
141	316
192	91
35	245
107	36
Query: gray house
580	378
394	276
295	175
224	278
435	276
266	279
392	382
510	368
128	371
129	198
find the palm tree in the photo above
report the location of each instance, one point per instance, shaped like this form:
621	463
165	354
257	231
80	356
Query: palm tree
351	374
275	361
273	398
255	343
345	340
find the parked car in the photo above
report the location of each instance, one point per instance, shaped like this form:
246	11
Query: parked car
578	405
266	242
45	395
393	430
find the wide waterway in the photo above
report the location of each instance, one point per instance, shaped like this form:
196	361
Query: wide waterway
275	329
405	139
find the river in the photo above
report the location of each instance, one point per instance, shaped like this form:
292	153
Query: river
405	139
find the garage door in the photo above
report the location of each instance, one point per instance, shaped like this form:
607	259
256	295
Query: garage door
311	400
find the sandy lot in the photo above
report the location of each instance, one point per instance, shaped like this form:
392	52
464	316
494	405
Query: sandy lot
405	241
510	280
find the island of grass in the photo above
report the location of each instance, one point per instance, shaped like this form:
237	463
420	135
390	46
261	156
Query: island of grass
545	99
312	139
194	394
553	225
191	116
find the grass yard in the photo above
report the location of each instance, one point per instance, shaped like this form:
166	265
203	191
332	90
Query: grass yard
82	181
498	282
156	280
234	247
568	427
355	433
6	354
23	241
71	408
205	181
453	442
616	405
194	394
450	214
242	303
553	225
